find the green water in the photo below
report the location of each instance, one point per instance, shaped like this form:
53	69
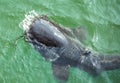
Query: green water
20	63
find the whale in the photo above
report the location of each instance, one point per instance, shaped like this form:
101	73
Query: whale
62	47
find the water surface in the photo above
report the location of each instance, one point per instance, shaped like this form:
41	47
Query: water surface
20	63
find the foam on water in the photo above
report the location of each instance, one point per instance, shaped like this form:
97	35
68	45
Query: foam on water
29	18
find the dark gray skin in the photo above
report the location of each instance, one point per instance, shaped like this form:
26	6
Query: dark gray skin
63	49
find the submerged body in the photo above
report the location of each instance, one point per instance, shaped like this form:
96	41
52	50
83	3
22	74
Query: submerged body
62	47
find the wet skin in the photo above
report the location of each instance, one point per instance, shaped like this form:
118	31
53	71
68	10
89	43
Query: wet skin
63	49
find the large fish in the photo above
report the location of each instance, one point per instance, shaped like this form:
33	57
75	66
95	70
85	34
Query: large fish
62	47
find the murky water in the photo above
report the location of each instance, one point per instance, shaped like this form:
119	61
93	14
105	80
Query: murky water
20	63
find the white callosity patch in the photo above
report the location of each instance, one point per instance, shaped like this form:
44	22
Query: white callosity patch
29	18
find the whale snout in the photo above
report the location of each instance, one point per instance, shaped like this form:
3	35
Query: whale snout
46	33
